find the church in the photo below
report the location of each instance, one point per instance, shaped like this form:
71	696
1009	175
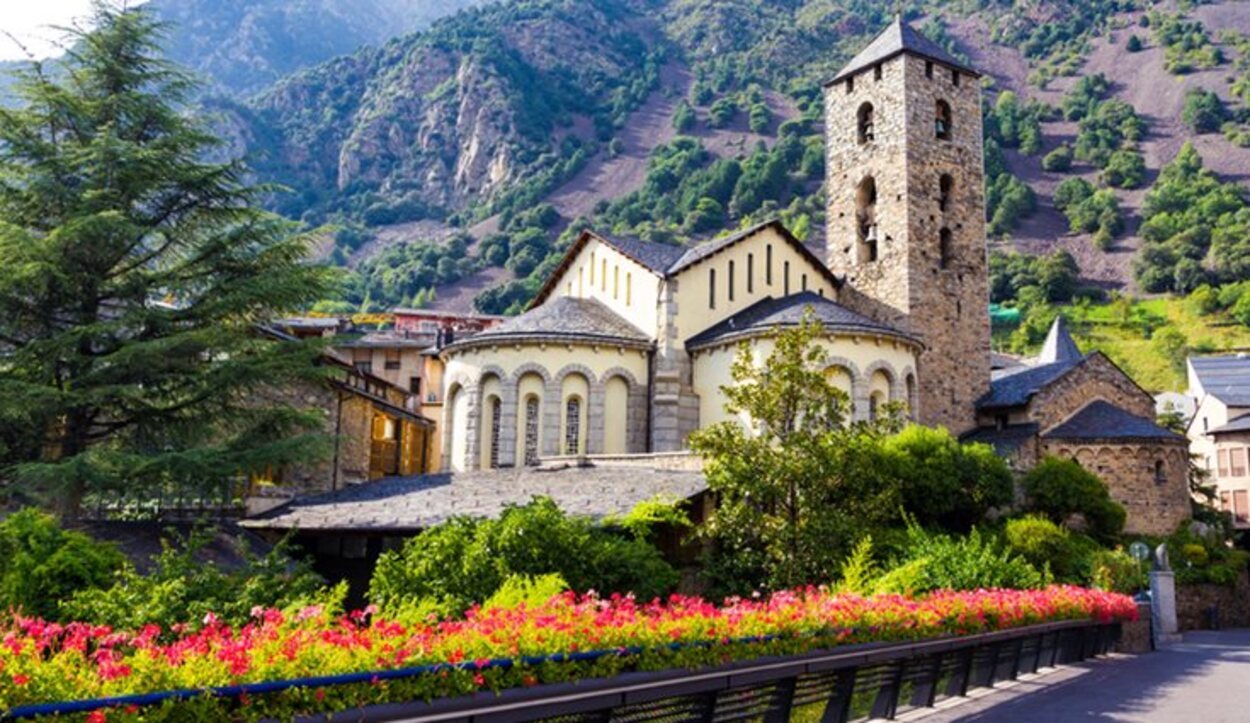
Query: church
624	350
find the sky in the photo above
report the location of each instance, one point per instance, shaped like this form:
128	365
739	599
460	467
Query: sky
29	21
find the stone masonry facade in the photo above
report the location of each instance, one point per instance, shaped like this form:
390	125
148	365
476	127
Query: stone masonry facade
929	274
1094	378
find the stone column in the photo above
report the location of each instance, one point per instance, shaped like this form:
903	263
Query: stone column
1163	607
859	399
551	419
472	426
594	419
509	415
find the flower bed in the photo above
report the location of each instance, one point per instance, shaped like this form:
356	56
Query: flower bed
567	638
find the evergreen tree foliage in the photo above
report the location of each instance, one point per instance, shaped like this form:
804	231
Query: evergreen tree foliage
135	274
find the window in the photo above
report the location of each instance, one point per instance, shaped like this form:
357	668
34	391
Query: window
711	288
803	282
629	288
730	281
1237	468
364	367
495	413
946	184
785	277
392	359
592	268
768	264
955	77
928	69
1160	472
573	426
1226	501
876	72
750	273
864	122
414	386
603	275
942	121
531	431
850	85
1241	506
946	248
1223	462
616	282
866	216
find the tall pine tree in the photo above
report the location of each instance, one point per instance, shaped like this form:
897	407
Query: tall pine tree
133	275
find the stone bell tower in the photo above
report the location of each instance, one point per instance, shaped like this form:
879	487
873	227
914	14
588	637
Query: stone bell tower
906	210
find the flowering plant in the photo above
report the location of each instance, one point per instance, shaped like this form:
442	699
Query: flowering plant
569	637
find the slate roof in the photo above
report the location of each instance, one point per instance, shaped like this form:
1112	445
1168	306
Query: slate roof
788	311
1059	345
1104	420
655	256
561	318
899	37
1227	378
1004	440
1015	387
1236	424
408	504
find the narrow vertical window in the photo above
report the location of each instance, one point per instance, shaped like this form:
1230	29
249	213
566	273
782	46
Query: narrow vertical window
768	264
573	426
711	288
592	269
955	77
531	431
629	289
785	277
942	120
946	185
928	68
866	221
730	281
866	130
945	248
495	414
876	72
803	282
616	282
850	85
603	275
581	286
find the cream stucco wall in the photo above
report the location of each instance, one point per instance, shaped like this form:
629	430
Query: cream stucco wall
626	287
695	310
853	360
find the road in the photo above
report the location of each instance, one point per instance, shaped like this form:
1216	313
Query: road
1205	679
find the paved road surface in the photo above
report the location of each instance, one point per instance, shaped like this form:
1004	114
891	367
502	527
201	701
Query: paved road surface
1205	679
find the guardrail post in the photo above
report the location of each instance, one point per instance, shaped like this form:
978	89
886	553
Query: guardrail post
838	709
925	692
783	700
886	702
958	684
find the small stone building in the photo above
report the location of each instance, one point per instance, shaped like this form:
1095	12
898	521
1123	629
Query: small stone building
1083	407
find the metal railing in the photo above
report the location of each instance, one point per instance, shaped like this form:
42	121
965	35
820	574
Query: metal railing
878	681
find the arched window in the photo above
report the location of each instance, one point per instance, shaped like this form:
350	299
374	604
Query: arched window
866	216
911	396
942	121
865	123
946	186
1160	473
495	414
573	426
531	431
946	249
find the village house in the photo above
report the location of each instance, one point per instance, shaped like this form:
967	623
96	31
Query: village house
1219	432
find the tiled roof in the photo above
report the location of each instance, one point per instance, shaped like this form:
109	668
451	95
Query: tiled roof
1059	345
788	311
1002	440
1236	424
657	257
416	503
899	37
1015	387
1104	420
564	317
1227	378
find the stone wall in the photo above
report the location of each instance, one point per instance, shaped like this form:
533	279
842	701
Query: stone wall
1094	378
346	420
1155	505
929	276
1193	601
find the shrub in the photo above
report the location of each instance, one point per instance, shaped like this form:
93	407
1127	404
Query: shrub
181	587
683	118
1058	160
1038	540
1134	44
1203	111
1061	489
972	562
1116	571
1125	169
467	560
42	564
944	483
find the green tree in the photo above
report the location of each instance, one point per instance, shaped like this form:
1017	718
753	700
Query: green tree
1203	111
42	564
796	485
944	483
1060	489
1134	44
134	275
684	117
